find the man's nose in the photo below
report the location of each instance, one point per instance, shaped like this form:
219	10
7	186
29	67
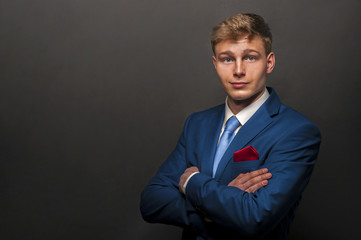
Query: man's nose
239	70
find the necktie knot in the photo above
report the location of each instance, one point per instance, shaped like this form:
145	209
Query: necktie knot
232	124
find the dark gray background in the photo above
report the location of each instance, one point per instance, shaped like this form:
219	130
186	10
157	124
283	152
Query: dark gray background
94	95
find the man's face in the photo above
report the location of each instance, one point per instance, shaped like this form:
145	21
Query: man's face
242	66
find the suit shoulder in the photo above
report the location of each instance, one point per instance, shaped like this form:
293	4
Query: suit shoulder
205	118
294	118
211	112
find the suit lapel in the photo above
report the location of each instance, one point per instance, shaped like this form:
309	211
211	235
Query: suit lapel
259	121
213	129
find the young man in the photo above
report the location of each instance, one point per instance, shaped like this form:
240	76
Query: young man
239	169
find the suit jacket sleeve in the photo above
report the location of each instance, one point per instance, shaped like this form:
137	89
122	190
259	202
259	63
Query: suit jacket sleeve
161	200
290	160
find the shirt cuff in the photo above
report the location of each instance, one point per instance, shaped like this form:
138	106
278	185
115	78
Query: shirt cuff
185	184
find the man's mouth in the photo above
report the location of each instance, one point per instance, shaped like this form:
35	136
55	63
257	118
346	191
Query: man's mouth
239	84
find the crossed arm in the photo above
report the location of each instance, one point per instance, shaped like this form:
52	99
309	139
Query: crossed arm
162	202
249	182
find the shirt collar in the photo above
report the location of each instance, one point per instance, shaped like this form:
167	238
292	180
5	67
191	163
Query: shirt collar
245	114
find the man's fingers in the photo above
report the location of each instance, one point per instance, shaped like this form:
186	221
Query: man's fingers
257	186
258	172
192	169
257	180
243	178
251	181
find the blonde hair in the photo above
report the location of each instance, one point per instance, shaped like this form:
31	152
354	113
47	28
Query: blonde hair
237	25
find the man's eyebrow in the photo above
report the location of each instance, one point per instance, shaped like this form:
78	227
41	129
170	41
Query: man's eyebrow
246	51
226	53
251	51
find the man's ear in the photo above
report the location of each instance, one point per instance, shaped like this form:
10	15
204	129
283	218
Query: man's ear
271	61
214	62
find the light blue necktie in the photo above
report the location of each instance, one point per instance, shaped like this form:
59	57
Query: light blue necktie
226	139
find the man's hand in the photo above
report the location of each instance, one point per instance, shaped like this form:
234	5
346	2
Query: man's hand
252	181
185	176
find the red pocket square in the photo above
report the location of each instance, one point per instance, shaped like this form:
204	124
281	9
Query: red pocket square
245	154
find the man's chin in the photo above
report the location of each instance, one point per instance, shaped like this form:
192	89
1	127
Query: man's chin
244	99
239	98
245	96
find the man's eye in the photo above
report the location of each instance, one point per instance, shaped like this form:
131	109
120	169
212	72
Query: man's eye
227	60
250	58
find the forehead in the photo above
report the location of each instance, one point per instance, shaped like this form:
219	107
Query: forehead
241	44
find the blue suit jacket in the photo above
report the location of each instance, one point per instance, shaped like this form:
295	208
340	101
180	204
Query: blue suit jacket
287	144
